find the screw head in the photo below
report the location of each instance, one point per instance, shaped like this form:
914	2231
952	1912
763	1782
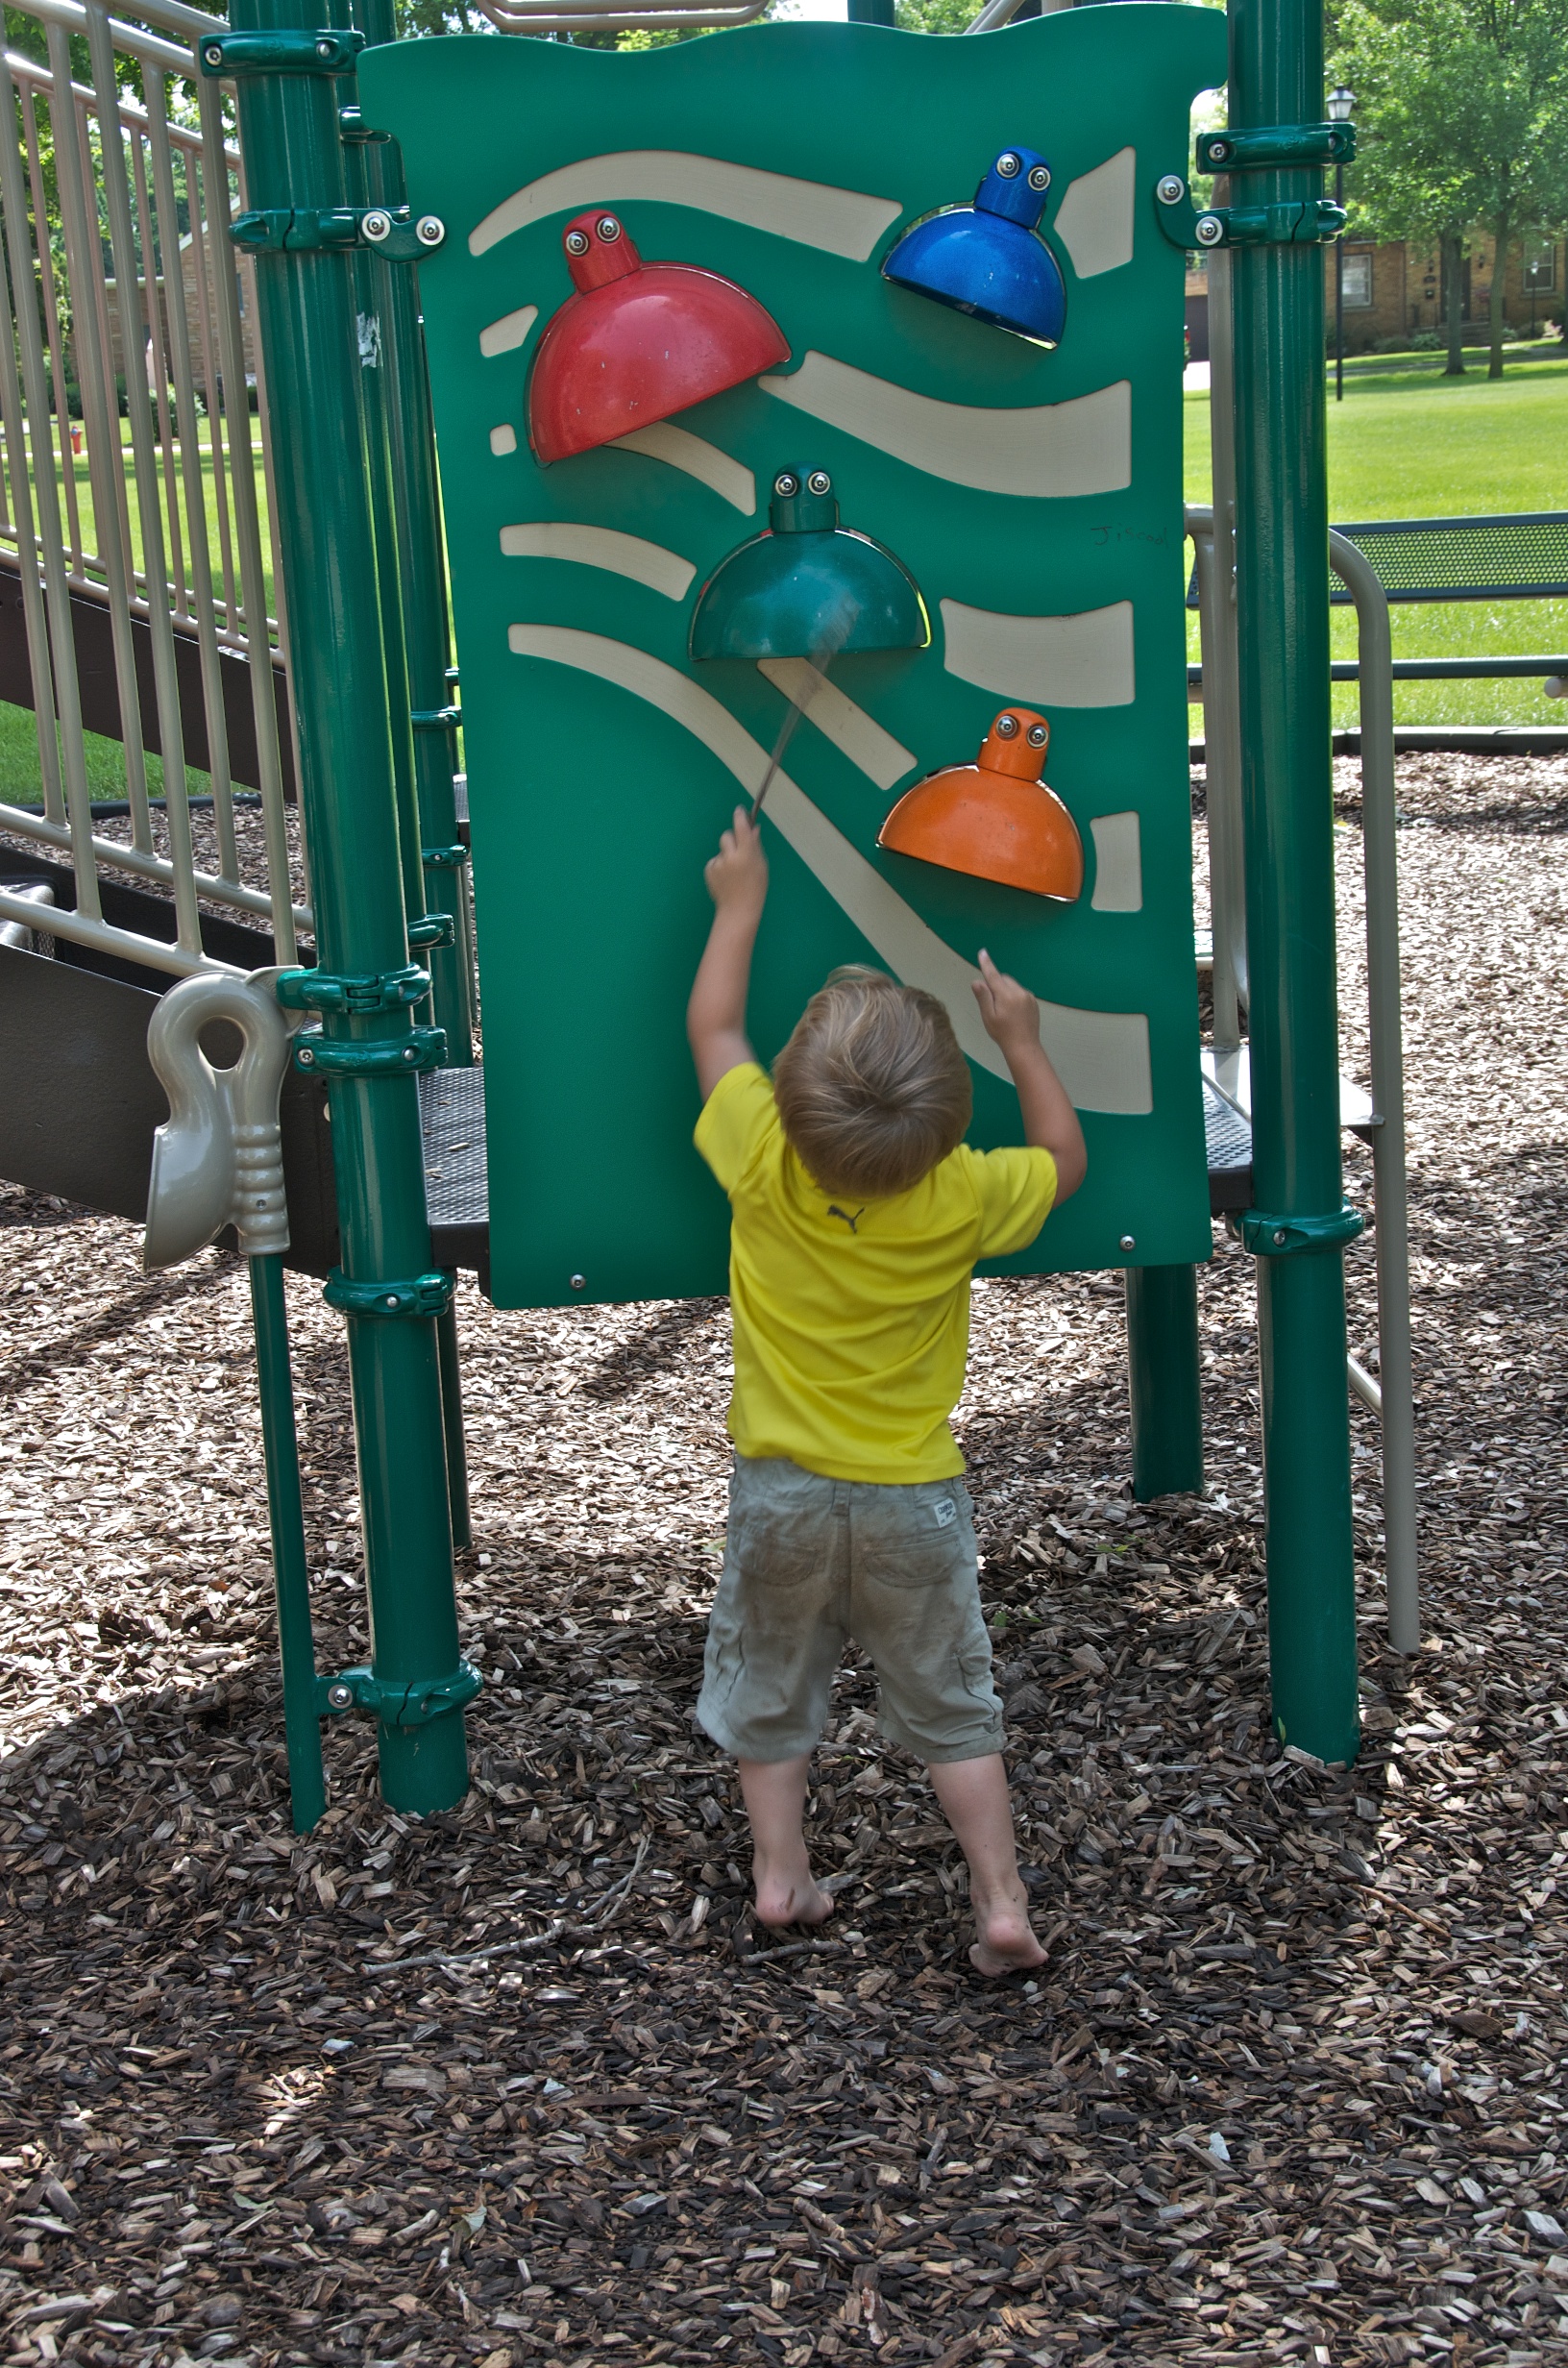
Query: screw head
1279	1236
213	53
1006	727
391	1299
340	1697
1039	177
325	48
608	229
819	481
1007	165
377	225
786	483
579	1282
576	242
1128	1242
1218	151
429	230
1036	735
1170	188
1209	230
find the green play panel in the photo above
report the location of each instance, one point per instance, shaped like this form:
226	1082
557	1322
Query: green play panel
1034	496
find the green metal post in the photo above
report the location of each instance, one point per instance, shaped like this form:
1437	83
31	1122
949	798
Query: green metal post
411	431
305	313
1163	1369
870	12
1276	77
290	1573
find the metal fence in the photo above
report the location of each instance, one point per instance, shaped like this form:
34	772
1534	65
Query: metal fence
131	513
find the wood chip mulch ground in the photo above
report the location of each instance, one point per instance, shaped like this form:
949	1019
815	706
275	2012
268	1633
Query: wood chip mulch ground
523	2084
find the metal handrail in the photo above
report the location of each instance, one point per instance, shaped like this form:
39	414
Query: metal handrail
591	15
1395	1399
1391	1397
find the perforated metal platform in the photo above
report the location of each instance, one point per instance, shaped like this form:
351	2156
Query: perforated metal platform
456	1194
1229	1138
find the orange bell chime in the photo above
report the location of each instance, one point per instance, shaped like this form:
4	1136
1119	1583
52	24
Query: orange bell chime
638	341
994	819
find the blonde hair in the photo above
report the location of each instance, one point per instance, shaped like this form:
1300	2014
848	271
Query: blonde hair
872	1088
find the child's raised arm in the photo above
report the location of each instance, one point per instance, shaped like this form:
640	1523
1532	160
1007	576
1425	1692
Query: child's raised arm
1010	1016
737	880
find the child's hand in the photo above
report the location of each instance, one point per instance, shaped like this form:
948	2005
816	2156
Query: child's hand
1009	1013
737	877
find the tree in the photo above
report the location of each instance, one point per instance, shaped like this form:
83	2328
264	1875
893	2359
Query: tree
1464	110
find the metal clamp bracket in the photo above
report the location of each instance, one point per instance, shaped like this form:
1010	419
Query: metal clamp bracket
1297	222
421	1295
432	930
444	858
1288	1237
357	993
437	719
226	56
1275	147
390	230
386	1056
397	1702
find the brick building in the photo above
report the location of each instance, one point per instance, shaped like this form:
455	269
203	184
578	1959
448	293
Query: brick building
1394	289
200	319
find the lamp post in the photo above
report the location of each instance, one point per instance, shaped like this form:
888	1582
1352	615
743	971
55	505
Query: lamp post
1341	102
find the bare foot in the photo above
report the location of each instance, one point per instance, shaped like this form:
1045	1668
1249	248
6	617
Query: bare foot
784	1898
1007	1944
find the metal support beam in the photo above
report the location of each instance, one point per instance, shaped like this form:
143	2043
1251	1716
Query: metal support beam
421	566
1164	1373
305	315
1282	533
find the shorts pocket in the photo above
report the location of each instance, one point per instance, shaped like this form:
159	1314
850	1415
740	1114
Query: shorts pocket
915	1538
768	1549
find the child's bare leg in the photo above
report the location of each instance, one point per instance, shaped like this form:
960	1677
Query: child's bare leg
788	1893
973	1796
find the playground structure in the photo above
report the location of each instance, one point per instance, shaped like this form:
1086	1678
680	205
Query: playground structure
327	243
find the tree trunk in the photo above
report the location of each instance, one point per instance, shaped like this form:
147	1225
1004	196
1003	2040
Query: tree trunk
1502	235
1453	292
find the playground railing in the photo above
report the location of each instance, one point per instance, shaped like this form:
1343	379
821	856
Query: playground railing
129	494
1515	556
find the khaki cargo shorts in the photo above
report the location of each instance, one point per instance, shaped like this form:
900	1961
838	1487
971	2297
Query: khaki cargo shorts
811	1561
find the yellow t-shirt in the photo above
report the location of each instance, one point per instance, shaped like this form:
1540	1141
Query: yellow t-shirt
852	1323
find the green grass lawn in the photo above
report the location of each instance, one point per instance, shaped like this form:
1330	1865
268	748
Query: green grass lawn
1403	446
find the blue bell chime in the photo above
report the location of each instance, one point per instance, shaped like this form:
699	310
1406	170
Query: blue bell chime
987	260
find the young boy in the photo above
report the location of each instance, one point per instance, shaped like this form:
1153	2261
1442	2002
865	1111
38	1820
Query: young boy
858	1216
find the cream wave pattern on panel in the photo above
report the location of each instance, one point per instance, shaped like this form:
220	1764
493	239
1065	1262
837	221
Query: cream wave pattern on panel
1094	220
1102	1056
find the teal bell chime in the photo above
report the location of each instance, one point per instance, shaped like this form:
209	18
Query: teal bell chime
808	586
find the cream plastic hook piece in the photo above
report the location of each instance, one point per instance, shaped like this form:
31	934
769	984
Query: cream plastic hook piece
218	1158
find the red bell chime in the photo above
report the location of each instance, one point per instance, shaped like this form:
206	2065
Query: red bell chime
637	342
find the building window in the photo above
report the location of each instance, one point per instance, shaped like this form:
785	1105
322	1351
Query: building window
1541	266
1358	279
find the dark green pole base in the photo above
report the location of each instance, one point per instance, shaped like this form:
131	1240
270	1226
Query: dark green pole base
290	1571
1164	1375
1310	1545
